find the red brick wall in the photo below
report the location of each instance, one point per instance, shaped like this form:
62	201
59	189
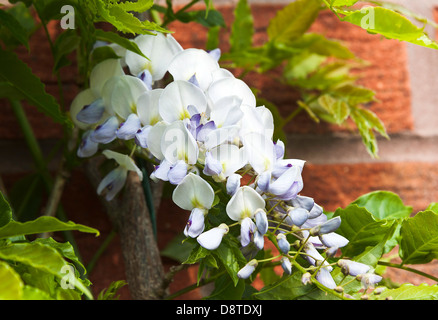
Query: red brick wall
332	183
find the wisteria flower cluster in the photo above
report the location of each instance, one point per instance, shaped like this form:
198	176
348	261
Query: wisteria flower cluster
204	129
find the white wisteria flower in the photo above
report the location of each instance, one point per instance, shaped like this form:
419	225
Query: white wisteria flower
114	181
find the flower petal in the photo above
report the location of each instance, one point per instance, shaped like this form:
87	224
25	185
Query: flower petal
212	238
244	203
193	192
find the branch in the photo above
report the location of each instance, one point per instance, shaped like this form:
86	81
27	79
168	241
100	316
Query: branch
130	216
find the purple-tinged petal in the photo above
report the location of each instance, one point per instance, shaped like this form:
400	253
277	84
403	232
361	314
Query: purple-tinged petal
212	166
146	77
106	132
177	172
162	170
233	183
261	221
215	53
247	229
141	136
316	211
326	227
259	240
325	278
263	181
113	182
333	240
279	149
203	130
298	216
303	202
286	265
128	129
91	113
283	244
195	225
87	148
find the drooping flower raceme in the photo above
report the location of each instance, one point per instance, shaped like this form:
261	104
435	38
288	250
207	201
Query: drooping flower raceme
206	136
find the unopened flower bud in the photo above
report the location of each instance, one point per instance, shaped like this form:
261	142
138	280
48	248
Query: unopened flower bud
248	269
286	265
339	289
326	227
353	268
306	278
283	244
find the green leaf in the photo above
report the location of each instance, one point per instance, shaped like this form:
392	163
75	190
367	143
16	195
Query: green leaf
121	41
15	28
361	228
111	291
125	21
384	205
179	249
231	257
41	225
294	20
40	257
19	75
225	290
5	211
388	23
137	6
419	238
342	3
65	249
408	291
367	121
196	254
433	207
321	45
64	44
11	286
286	288
242	29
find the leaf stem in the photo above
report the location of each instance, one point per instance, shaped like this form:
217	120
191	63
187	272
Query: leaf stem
398	266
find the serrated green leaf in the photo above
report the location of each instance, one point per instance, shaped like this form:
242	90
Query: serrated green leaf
137	6
361	228
111	292
11	285
390	24
196	254
242	29
19	75
419	238
294	20
8	21
384	205
408	291
125	21
41	225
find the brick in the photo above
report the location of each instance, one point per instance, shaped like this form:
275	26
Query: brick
337	185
